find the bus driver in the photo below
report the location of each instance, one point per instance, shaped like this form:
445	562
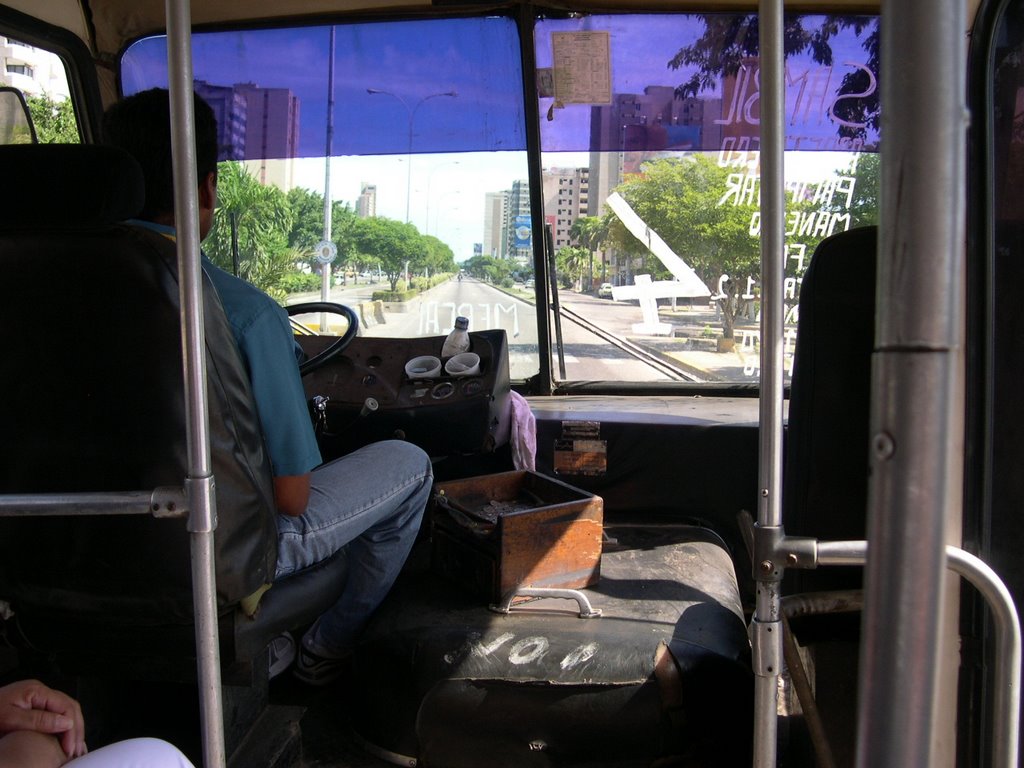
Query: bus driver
371	500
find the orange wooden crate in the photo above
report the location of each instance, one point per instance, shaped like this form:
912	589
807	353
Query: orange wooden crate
494	533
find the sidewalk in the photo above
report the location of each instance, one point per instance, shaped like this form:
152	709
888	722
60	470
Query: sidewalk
692	345
704	324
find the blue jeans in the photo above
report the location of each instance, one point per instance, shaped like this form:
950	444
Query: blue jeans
371	500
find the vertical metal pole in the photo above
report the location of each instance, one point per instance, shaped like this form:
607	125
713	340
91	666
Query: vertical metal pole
408	158
325	269
556	307
199	485
767	623
917	402
540	265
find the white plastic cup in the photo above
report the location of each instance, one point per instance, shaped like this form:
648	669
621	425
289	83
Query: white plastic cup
463	364
423	367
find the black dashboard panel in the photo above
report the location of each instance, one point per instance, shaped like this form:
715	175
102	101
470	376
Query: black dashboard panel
371	397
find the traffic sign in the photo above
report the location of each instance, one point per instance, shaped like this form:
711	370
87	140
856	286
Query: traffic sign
326	251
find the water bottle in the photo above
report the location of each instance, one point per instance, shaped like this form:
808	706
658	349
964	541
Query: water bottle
458	339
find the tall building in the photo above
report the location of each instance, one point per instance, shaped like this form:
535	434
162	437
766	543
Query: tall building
230	109
507	224
518	235
272	132
257	123
494	223
32	71
366	205
566	198
638	126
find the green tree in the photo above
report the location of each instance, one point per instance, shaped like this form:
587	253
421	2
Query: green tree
571	263
262	220
343	233
393	243
590	232
731	39
54	120
627	247
488	268
438	256
307	213
307	230
682	200
866	169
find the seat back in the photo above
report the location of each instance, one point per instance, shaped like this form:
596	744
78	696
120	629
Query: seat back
826	470
92	400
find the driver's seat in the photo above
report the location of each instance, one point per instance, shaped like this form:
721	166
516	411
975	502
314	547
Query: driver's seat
92	400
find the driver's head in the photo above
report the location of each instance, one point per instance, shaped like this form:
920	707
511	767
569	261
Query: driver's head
141	125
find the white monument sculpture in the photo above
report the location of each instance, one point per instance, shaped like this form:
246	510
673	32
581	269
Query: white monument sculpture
647	291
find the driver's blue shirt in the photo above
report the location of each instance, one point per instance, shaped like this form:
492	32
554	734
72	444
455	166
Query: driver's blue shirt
265	340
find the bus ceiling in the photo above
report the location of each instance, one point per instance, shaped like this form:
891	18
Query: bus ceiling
108	25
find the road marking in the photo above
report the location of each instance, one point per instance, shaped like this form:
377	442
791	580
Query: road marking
482	316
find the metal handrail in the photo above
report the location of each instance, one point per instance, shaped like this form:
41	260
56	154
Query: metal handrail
1006	697
1007	667
161	502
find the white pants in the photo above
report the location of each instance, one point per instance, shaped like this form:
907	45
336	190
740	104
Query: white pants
134	753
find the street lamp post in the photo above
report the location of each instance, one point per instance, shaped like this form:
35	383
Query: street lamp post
430	180
412	114
439	208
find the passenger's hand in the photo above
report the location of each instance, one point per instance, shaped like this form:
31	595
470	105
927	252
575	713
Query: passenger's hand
28	705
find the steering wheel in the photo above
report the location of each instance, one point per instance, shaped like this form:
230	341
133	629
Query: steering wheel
318	360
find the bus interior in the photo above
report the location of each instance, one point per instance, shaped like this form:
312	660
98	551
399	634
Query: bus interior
729	477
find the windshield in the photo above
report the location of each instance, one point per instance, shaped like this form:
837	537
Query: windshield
649	154
650	139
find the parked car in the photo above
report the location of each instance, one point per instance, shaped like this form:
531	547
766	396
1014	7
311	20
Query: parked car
605	291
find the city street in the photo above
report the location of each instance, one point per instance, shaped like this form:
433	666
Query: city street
587	355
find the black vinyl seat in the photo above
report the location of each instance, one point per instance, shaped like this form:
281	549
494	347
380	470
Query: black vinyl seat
826	467
825	492
662	677
92	399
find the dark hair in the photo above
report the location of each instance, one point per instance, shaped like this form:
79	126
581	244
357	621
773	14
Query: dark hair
141	125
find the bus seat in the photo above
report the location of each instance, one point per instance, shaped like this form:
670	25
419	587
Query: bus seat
826	470
92	400
826	465
662	675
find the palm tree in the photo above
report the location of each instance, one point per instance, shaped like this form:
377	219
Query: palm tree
570	261
590	233
257	218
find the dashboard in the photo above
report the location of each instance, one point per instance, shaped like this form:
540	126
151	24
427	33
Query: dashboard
384	388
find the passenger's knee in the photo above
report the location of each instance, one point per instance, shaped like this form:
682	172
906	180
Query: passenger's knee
30	748
141	751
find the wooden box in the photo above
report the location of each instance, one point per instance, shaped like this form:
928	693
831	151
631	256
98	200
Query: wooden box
494	533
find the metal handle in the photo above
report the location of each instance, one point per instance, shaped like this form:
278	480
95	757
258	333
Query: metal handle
587	611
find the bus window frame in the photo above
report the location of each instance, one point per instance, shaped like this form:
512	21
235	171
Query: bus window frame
78	64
